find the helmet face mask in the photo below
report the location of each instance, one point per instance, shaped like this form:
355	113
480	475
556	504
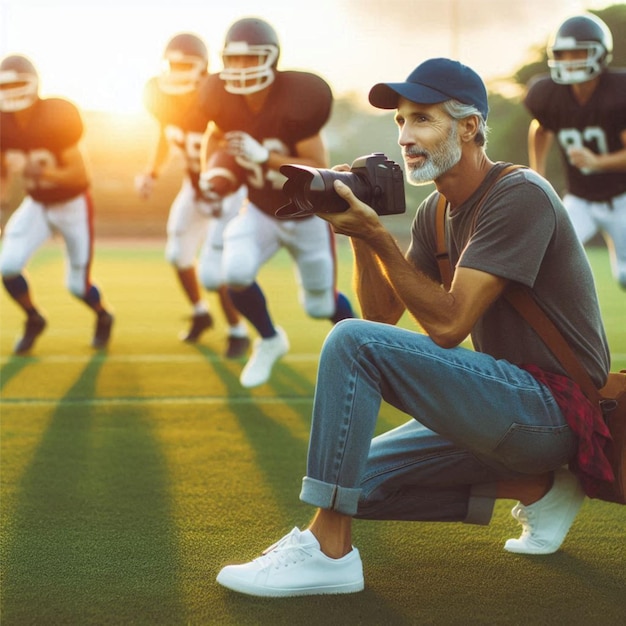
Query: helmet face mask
185	61
19	84
585	33
244	78
250	56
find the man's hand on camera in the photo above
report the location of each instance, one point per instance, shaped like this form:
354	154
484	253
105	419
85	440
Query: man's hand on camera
360	220
244	146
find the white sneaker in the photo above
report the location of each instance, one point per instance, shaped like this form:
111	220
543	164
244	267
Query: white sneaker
295	566
264	354
546	523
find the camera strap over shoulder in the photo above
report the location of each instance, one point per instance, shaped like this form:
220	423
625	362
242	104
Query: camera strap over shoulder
520	298
611	398
441	252
517	296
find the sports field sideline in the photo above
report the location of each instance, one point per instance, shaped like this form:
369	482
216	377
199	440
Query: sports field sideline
128	478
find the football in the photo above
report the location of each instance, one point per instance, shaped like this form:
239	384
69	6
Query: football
223	175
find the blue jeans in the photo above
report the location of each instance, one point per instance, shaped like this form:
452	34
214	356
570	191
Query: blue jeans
476	421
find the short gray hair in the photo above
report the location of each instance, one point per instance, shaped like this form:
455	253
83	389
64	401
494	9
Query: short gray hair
458	111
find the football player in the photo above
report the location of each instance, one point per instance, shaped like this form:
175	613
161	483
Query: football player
172	98
40	139
582	103
266	118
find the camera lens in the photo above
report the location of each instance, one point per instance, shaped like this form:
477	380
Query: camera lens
373	179
311	191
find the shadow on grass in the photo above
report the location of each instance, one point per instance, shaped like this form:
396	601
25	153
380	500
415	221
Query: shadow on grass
366	607
280	462
275	461
91	538
13	366
602	582
219	363
280	455
289	382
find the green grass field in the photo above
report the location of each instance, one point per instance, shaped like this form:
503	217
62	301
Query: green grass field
129	478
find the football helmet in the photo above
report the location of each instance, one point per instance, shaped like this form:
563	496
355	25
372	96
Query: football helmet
185	61
249	37
582	32
19	83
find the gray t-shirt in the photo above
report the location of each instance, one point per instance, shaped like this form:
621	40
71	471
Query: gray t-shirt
524	234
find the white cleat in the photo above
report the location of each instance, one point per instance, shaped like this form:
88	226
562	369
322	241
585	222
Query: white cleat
264	354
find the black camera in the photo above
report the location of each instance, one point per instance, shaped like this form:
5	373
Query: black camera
373	179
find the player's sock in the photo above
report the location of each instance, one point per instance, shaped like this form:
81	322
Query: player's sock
343	309
238	330
16	286
200	307
92	298
251	304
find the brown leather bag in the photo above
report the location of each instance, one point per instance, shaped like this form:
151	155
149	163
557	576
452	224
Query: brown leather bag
611	398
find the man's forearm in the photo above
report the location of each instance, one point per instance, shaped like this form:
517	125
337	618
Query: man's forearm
432	307
377	297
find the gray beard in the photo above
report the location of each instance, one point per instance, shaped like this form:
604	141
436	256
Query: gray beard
438	162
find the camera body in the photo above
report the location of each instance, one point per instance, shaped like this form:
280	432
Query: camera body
373	178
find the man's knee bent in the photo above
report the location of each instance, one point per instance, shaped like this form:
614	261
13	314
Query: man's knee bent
344	337
352	334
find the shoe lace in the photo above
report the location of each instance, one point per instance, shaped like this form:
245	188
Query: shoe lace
287	551
525	518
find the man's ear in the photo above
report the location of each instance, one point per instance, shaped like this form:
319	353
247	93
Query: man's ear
468	127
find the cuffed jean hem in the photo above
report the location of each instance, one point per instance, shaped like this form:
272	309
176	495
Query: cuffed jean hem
344	500
326	496
480	505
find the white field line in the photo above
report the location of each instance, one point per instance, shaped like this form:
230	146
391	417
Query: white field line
143	358
170	358
167	400
187	400
150	358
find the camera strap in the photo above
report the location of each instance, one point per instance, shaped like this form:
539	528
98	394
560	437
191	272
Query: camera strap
611	399
441	252
517	296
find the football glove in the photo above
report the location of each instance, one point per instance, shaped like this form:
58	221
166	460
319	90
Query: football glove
244	146
211	202
33	170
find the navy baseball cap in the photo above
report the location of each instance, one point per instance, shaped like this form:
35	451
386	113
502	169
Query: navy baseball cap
433	81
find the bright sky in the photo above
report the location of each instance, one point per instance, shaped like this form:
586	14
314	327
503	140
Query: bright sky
99	53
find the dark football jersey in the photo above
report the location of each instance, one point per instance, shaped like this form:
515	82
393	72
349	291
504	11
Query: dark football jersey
596	125
297	107
183	121
55	125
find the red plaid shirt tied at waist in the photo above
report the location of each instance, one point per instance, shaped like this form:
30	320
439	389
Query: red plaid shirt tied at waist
585	420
